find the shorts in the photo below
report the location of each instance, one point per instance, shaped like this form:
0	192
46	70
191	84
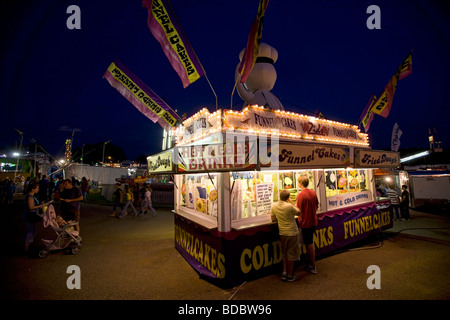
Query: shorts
71	215
308	234
76	214
290	247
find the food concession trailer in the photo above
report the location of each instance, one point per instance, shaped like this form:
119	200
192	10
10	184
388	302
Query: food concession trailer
229	167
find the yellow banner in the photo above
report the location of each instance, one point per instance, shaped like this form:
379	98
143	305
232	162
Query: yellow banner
380	104
384	102
367	119
141	97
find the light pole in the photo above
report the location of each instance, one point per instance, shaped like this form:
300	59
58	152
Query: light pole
82	154
103	158
20	150
35	151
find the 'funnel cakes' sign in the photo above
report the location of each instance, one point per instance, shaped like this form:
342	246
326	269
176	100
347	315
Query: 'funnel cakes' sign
292	155
293	125
260	120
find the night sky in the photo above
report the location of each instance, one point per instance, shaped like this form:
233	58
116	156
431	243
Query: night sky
328	60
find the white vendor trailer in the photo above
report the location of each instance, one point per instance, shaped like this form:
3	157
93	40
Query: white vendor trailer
427	187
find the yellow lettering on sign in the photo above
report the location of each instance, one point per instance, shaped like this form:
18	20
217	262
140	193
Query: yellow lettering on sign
260	256
140	95
209	257
355	227
160	14
244	266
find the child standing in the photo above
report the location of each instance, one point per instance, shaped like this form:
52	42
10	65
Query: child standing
147	203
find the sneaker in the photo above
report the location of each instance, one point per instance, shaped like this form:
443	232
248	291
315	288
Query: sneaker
284	276
311	269
292	278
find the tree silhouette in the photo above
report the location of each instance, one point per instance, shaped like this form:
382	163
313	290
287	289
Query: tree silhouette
93	153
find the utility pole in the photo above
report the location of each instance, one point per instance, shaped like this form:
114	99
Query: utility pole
82	155
103	158
35	151
18	156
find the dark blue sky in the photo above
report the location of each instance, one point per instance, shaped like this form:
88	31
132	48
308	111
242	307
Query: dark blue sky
328	60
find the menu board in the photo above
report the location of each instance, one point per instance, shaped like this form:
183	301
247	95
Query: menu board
264	198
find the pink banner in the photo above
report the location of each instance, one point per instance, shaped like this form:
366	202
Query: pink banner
254	39
164	27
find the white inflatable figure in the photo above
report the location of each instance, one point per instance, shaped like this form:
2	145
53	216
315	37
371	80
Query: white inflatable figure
262	78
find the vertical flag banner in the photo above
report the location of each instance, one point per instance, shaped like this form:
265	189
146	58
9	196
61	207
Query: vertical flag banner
396	134
163	25
367	115
141	96
405	68
254	39
383	104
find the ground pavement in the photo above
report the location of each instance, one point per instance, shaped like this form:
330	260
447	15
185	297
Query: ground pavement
134	259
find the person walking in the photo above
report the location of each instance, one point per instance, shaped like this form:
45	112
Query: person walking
117	196
147	202
393	196
404	204
10	190
136	198
128	194
283	212
308	203
84	188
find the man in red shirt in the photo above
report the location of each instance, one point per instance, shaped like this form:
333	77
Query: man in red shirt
308	203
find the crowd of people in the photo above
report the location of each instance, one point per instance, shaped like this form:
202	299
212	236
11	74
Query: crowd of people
399	200
7	190
64	194
134	197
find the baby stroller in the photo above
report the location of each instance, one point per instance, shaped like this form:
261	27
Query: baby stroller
67	237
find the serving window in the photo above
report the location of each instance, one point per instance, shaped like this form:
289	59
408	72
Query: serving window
251	194
243	198
199	194
346	187
254	192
